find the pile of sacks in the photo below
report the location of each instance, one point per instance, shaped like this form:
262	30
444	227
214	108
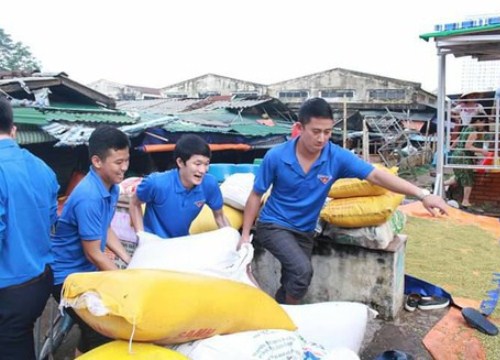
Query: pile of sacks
195	296
360	213
235	191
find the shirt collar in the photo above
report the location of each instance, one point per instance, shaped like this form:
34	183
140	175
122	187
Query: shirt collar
114	191
8	142
289	156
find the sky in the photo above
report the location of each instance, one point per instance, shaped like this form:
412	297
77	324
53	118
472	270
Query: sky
158	43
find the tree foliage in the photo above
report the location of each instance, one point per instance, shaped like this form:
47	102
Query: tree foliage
15	55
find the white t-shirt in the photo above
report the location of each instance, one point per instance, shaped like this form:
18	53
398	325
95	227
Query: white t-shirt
468	112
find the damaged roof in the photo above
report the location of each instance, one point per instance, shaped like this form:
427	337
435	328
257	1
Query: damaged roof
62	88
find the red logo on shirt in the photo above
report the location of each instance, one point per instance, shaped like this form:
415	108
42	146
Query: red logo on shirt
199	203
324	178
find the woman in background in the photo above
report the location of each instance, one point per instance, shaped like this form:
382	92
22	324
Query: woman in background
467	146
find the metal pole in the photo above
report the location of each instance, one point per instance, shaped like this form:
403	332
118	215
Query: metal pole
344	142
438	185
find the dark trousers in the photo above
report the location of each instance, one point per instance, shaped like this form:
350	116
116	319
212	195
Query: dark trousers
293	249
20	306
89	338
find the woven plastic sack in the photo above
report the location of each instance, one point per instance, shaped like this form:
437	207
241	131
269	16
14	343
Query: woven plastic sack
136	351
347	188
167	307
205	220
361	211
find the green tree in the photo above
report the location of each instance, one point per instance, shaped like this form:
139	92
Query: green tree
15	55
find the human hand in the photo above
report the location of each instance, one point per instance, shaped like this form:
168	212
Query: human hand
244	239
432	202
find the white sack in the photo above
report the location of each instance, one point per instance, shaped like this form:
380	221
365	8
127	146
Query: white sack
236	189
248	345
331	324
210	253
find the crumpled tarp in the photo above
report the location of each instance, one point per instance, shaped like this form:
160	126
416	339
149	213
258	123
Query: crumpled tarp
487	223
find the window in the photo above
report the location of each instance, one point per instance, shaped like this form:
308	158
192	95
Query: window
338	93
387	94
293	94
177	96
205	94
245	94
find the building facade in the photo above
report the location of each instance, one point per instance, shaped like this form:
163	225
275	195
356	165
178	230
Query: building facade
480	75
338	86
213	85
357	89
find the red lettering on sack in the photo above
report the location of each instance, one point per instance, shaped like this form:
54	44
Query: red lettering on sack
196	333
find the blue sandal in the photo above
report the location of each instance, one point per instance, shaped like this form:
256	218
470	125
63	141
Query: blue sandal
478	321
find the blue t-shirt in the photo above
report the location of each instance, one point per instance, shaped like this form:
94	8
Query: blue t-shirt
28	208
170	207
297	198
86	216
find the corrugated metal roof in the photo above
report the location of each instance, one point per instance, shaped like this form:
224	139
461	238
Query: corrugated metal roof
107	116
30	116
33	137
417	116
211	115
39	116
160	106
170	106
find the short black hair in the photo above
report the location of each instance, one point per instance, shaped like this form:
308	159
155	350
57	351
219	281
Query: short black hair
106	138
189	145
6	116
314	108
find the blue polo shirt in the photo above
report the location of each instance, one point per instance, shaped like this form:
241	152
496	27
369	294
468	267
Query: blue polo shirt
170	207
297	198
28	208
86	216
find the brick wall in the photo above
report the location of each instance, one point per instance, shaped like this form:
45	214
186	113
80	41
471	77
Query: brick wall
486	189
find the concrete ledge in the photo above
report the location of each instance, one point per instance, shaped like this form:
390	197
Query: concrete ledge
347	273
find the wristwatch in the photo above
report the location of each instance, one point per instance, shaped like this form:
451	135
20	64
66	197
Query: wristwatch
423	194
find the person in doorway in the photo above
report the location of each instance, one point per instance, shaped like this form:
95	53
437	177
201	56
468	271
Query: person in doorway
301	172
468	107
175	198
83	231
28	209
468	145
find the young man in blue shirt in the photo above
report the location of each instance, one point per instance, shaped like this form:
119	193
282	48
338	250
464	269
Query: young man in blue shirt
301	172
28	205
175	198
83	231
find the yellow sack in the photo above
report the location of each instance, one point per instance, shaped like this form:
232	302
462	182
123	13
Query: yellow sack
361	211
205	220
118	350
169	307
346	188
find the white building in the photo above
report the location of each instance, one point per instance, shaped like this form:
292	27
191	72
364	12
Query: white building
480	75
